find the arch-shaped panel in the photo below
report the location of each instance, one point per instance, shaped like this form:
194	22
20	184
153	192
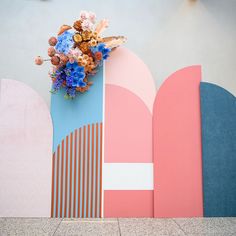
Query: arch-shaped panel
128	127
218	110
177	146
25	151
127	70
86	108
128	140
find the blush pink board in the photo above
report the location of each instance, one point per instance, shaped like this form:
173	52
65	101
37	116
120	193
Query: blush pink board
128	127
177	146
128	203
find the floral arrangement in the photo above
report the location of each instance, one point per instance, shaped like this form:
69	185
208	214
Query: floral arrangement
77	52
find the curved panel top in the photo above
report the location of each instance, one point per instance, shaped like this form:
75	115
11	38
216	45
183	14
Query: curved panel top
184	75
25	153
177	146
18	95
85	109
128	127
216	89
218	110
127	70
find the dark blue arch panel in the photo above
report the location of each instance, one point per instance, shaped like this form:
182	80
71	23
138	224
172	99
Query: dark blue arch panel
218	117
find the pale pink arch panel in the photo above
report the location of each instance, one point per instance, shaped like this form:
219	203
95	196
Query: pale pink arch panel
127	70
177	146
25	152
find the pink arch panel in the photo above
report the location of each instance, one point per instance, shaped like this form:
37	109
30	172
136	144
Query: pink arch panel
177	146
25	151
128	127
127	70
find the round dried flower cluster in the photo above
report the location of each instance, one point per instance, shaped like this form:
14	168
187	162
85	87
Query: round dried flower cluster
77	52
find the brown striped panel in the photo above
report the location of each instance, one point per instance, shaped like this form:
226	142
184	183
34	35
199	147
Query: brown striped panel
77	174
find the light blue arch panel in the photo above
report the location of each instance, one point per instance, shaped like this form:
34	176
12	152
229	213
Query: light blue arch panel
86	108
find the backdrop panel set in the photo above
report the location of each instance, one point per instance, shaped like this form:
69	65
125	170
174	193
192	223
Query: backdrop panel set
111	146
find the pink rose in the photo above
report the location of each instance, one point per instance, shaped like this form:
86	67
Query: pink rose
87	25
83	15
92	17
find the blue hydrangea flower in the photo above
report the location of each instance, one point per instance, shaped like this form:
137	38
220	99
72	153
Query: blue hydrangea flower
75	75
64	42
71	92
101	47
59	76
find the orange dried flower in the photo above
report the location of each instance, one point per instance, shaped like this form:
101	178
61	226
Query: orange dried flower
86	57
77	38
77	25
80	59
89	53
83	63
86	35
93	42
84	47
94	35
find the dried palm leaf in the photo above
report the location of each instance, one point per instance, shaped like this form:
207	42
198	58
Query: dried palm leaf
114	41
102	25
63	28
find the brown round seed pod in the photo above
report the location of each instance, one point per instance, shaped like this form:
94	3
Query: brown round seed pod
38	60
52	41
55	60
51	51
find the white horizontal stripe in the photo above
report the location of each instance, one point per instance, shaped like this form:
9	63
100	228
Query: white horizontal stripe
128	176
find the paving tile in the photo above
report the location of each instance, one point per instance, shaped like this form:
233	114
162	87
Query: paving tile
149	226
28	226
207	226
88	227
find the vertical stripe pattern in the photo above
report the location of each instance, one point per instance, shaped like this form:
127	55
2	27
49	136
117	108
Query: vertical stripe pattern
77	174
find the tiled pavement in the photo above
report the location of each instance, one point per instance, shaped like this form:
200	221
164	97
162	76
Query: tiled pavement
121	226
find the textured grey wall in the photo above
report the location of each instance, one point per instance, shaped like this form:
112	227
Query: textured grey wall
166	34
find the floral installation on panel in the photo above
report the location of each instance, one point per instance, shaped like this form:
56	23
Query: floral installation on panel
77	53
